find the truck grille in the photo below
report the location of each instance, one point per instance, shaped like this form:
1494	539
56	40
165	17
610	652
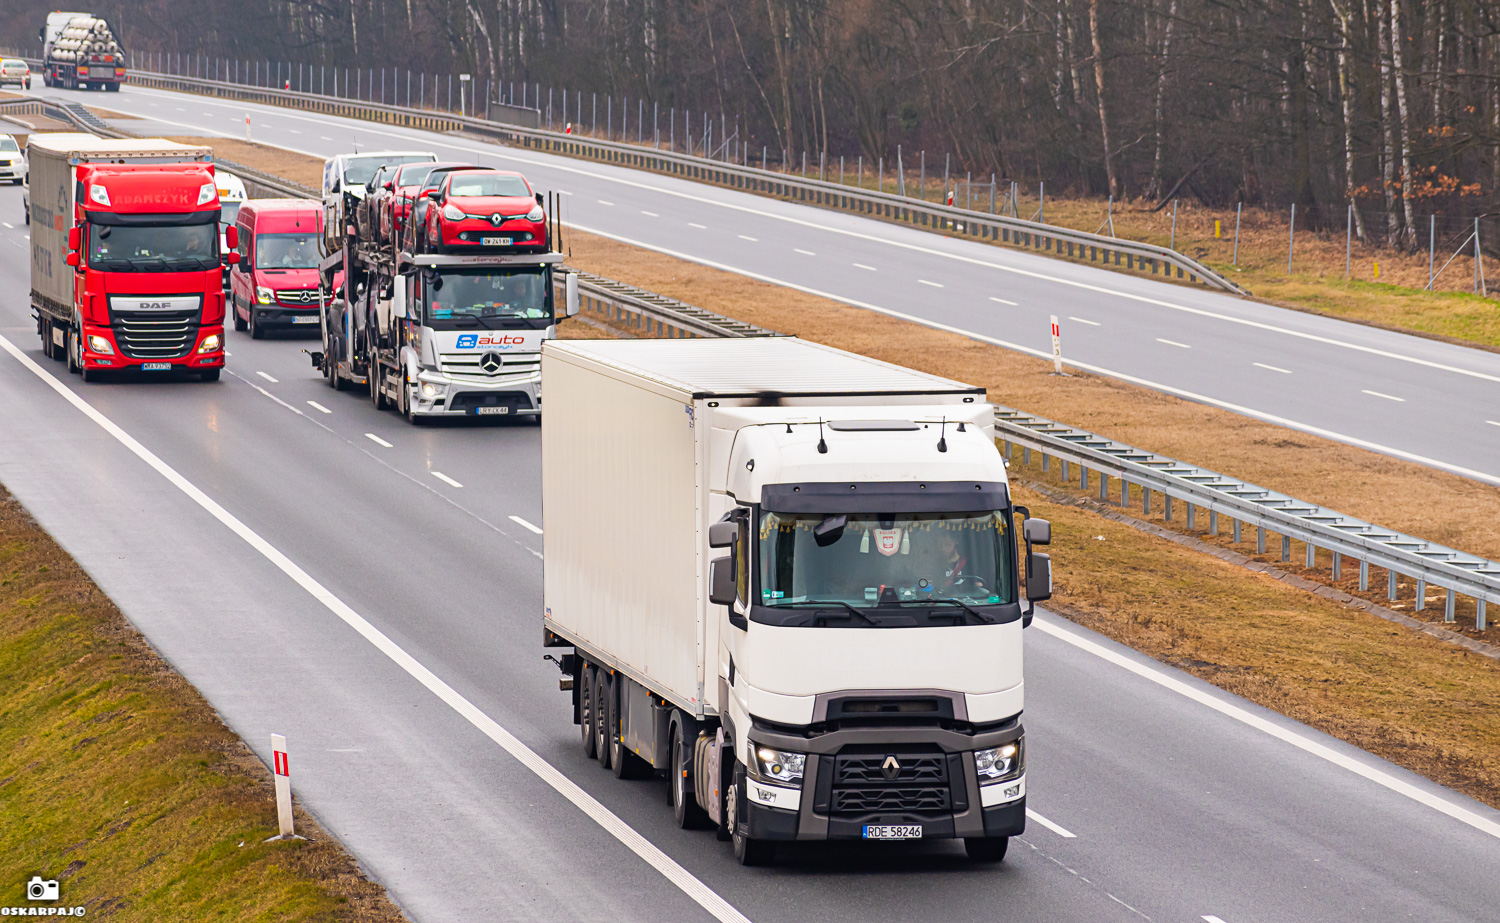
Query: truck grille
492	366
155	334
919	782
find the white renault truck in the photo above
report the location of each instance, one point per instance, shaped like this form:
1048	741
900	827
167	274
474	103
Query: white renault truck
787	577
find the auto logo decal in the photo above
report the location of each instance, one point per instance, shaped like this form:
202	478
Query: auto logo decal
891	768
497	219
490	362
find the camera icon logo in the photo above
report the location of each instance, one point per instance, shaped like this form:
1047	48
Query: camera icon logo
41	889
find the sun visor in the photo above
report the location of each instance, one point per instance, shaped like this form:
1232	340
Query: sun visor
886	497
170	219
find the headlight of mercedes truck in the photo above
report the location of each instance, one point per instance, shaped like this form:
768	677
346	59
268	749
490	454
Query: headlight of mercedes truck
263	294
778	766
1001	764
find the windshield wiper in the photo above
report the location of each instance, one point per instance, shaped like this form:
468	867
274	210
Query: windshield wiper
831	602
970	610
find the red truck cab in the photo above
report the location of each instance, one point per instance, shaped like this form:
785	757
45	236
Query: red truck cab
275	282
147	269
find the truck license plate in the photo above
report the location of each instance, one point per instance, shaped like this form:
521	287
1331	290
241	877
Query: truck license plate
492	410
495	241
305	320
156	366
893	831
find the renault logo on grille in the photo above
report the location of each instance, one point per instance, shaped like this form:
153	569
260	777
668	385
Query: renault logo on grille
497	219
490	362
891	768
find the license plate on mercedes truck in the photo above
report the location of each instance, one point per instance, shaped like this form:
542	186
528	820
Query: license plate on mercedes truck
893	831
501	409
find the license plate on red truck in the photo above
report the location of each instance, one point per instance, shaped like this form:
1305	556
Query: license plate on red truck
156	366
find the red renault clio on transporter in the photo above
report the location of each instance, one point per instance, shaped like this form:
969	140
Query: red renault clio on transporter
489	209
126	273
275	282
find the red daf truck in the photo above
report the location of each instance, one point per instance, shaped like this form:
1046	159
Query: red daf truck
126	268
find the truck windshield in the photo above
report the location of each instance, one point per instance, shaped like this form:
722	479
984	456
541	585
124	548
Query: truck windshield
144	248
286	251
361	169
892	565
491	298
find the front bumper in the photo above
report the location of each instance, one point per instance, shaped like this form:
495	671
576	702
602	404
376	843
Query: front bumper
12	171
275	315
118	362
455	397
939	792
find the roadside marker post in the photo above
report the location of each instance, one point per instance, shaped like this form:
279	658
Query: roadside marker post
1056	347
282	773
247	128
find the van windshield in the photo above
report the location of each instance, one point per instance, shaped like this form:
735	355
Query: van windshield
8	144
286	251
892	565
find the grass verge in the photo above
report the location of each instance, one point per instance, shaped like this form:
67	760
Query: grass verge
118	779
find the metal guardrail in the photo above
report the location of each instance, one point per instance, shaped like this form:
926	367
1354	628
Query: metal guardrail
1016	232
1264	509
1243	503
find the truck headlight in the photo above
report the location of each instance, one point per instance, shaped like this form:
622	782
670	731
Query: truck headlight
1001	764
452	213
770	765
263	295
99	344
430	390
210	344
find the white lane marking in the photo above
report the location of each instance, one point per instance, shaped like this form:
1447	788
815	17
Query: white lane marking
1173	343
803	252
550	163
318	407
1055	828
688	883
294	131
751	239
1091	323
1389	397
559	192
525	525
863	266
1271	368
180	109
377	440
1492	423
1159	676
265	393
266	377
8	224
602	202
445	479
1004	301
701	227
933	284
650	214
1210	918
325	137
1086	366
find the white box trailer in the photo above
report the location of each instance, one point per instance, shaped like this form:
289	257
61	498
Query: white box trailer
788	577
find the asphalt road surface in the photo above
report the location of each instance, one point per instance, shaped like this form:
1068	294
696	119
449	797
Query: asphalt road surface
298	558
1406	396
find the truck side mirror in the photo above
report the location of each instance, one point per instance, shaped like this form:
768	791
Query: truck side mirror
571	287
1038	577
231	258
232	237
721	580
334	186
1037	532
723	535
75	239
72	258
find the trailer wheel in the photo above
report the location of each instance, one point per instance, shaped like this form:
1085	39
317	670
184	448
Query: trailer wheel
604	689
376	379
209	374
586	712
46	331
685	807
112	87
986	848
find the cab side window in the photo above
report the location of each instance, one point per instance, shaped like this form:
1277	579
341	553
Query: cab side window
742	558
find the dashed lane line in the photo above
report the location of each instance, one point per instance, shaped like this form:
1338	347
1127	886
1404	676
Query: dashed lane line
377	440
526	525
445	479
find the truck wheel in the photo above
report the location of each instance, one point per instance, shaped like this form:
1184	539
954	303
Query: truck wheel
376	378
586	712
256	333
604	689
986	848
685	807
112	87
747	852
239	322
46	331
71	346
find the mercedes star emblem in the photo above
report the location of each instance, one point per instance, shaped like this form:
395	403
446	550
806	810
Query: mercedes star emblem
891	768
490	362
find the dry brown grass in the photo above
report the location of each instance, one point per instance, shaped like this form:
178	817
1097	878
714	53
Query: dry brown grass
299	168
119	779
1435	505
1409	698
